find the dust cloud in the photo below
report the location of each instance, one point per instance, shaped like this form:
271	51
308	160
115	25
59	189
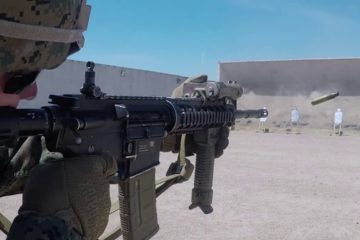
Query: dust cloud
318	116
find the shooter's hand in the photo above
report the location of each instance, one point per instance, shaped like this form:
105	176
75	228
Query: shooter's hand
74	190
172	143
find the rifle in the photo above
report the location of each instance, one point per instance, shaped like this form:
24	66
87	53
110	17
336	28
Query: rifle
85	124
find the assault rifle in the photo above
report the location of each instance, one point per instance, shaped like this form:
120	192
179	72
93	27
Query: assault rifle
131	130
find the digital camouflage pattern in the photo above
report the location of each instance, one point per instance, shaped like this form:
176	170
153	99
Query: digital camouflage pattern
21	55
31	226
79	201
27	154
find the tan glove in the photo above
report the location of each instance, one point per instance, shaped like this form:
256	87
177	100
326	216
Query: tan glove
75	190
172	142
179	90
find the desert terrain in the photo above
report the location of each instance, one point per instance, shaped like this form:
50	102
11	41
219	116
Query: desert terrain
318	117
267	186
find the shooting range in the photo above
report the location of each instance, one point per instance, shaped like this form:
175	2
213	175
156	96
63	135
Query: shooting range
280	85
266	186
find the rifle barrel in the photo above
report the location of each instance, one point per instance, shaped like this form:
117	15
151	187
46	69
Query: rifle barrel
254	113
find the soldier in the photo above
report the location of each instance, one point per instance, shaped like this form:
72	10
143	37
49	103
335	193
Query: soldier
59	201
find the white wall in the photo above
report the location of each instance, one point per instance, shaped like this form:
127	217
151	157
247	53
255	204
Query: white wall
69	77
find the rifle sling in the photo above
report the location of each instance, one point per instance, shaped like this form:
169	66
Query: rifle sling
184	168
5	224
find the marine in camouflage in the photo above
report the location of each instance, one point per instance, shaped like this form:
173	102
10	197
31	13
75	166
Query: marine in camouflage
22	55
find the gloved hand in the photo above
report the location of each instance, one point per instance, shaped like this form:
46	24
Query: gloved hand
74	190
223	141
172	143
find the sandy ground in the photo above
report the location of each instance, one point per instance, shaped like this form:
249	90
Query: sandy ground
270	187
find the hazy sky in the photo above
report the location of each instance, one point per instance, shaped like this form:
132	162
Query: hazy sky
188	37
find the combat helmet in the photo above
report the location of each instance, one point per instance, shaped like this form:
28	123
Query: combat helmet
36	35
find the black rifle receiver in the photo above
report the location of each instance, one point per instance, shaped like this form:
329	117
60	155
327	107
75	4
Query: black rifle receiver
131	130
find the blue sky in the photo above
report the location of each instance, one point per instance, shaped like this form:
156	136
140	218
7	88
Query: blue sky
190	37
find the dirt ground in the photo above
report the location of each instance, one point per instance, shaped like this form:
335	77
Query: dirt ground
267	187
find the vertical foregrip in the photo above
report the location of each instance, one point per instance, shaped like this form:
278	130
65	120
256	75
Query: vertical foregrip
202	192
138	206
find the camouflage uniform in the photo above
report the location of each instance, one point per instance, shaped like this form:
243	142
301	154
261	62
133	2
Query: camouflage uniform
26	55
59	202
58	198
32	226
